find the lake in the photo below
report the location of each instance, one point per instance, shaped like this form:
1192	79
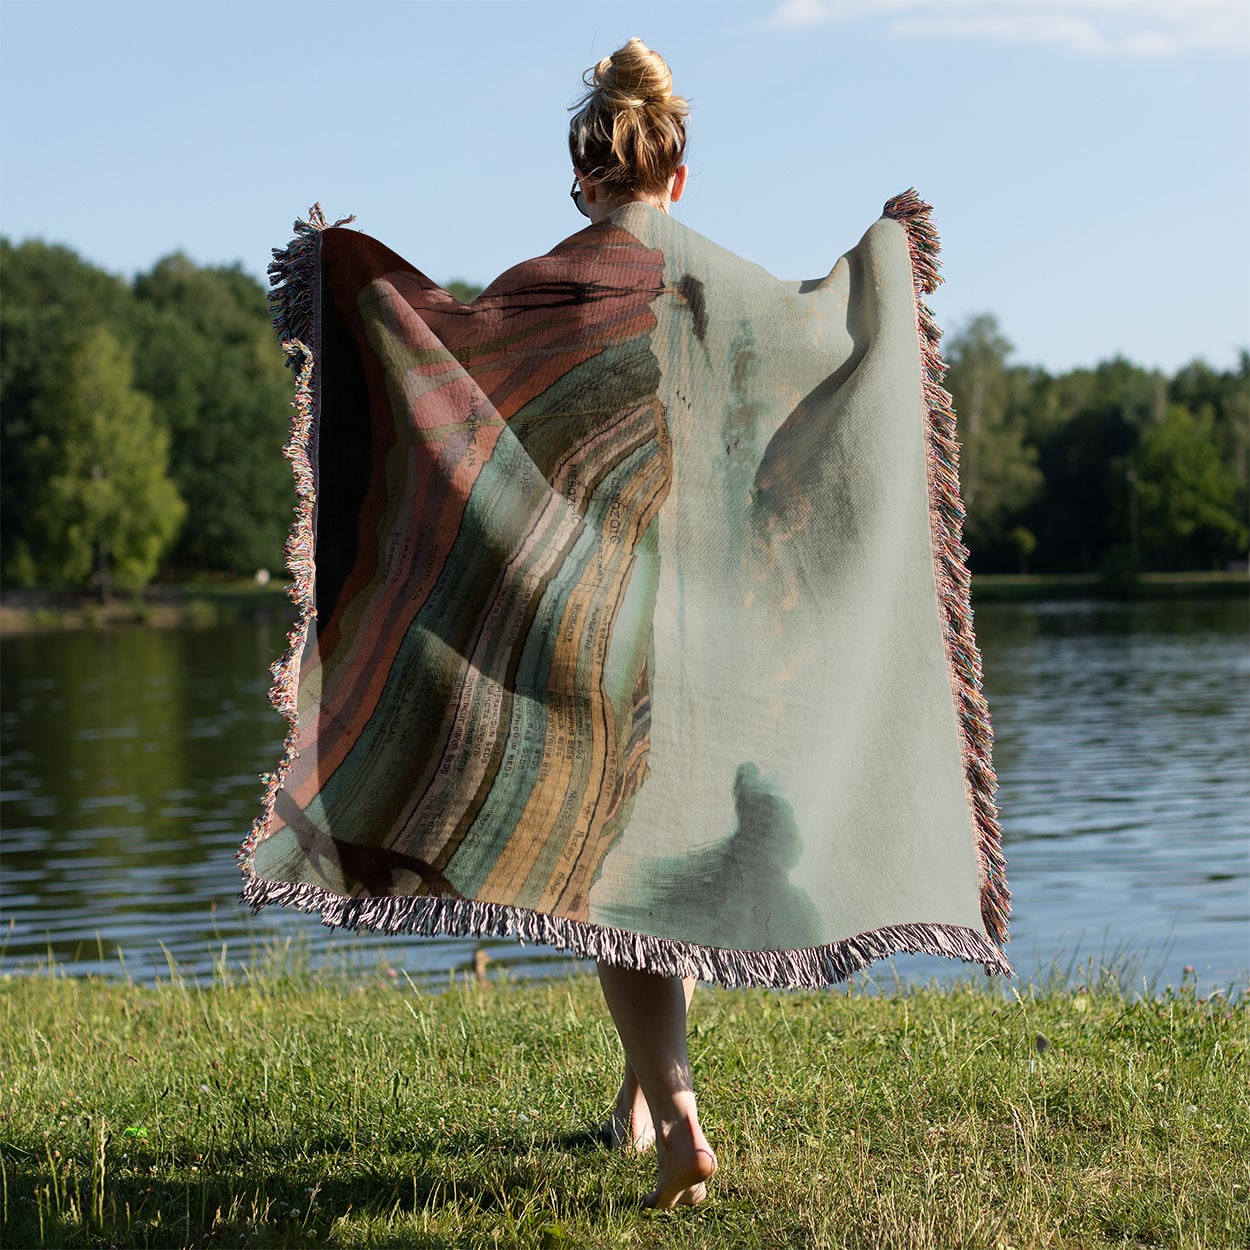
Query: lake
131	760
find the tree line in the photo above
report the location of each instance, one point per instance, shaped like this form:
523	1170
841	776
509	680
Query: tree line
142	423
1113	470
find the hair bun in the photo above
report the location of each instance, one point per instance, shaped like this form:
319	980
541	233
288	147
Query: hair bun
633	76
629	130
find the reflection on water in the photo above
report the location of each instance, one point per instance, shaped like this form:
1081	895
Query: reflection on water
131	758
131	762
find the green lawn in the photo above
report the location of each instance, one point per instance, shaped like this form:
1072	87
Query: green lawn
282	1108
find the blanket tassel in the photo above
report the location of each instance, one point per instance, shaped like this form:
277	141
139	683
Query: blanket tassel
951	561
293	303
809	968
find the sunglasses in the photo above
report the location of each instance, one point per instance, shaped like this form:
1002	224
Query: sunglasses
576	196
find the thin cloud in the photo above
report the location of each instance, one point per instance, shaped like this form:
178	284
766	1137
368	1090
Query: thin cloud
1135	28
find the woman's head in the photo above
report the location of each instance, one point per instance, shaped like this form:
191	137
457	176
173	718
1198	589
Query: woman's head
629	131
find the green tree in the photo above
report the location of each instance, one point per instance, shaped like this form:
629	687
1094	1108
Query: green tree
1087	423
1186	493
51	298
997	465
208	357
107	509
1223	399
1024	543
465	292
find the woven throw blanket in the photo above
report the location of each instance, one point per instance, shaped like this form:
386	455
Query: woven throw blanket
634	616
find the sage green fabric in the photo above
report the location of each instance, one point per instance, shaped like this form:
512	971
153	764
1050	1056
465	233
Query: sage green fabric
805	782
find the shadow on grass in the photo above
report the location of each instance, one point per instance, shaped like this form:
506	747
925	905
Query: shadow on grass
275	1195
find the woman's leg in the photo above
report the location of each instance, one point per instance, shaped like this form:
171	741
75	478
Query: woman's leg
629	1126
650	1015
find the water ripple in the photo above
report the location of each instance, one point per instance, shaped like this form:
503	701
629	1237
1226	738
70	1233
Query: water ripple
131	765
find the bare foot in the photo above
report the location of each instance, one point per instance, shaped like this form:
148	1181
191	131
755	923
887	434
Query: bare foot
629	1126
686	1165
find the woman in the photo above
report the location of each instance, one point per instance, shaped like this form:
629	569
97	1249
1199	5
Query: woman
628	142
635	619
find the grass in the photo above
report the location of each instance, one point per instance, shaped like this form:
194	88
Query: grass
284	1108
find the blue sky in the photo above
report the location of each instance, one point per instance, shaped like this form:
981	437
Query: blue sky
1088	159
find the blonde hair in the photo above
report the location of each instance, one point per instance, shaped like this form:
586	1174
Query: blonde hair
629	131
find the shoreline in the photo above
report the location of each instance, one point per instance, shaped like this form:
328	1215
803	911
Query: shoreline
205	604
1036	587
172	606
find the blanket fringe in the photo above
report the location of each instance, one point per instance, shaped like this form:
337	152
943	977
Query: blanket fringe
294	303
951	561
810	968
